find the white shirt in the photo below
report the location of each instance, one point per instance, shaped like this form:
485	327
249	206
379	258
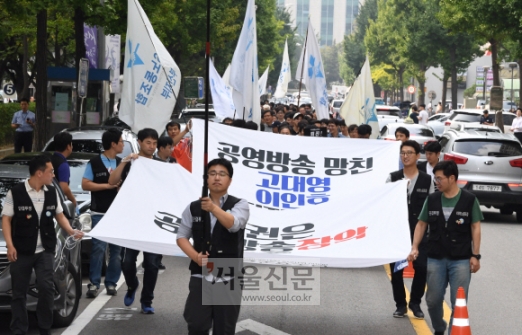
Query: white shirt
423	117
38	198
516	126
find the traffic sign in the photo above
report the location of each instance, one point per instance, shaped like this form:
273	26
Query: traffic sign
83	78
9	90
432	95
411	89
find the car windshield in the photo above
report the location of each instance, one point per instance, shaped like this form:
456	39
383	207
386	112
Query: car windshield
93	147
387	112
426	132
494	148
5	185
337	104
465	117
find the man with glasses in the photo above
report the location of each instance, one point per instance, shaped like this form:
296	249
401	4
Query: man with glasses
224	238
419	186
453	244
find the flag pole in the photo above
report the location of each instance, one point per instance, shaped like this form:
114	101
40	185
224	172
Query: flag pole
302	65
204	193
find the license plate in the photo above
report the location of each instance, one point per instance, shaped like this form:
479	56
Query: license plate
487	188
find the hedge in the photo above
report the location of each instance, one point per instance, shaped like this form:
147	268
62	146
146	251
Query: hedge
6	116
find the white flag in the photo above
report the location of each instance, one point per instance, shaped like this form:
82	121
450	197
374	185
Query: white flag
359	105
313	74
262	82
221	95
243	71
226	76
151	78
284	75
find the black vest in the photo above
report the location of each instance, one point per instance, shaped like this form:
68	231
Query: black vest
417	198
451	239
25	225
221	243
57	160
102	200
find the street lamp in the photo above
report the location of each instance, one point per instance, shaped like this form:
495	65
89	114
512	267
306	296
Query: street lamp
512	66
486	68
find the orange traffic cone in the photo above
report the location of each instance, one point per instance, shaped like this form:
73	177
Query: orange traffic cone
409	272
460	315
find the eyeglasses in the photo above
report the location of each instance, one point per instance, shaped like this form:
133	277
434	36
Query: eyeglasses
438	180
407	153
214	174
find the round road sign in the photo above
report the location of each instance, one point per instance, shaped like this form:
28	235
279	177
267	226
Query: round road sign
9	90
411	89
432	95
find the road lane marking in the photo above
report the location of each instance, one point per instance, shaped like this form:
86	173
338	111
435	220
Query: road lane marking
94	307
257	327
420	325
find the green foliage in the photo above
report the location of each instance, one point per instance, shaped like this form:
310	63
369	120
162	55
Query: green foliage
470	92
330	57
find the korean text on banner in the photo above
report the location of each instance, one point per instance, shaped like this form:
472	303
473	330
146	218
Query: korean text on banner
361	229
151	78
295	172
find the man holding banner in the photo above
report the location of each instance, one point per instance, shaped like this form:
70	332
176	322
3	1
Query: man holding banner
224	239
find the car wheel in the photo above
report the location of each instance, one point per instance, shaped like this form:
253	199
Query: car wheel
519	216
506	211
65	316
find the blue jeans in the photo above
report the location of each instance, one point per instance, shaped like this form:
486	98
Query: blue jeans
150	272
441	272
113	273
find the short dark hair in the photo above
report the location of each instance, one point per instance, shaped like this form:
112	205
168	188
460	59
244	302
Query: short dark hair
24	99
147	133
402	130
163	141
227	119
332	121
172	124
414	108
485	111
266	111
289	115
283	126
251	125
239	123
221	161
38	163
302	125
352	127
413	144
62	140
364	129
433	146
422	105
448	168
110	136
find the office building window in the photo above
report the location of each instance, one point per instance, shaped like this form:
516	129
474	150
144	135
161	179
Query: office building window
302	12
352	10
327	18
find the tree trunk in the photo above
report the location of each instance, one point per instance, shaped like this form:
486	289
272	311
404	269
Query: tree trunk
41	84
401	89
25	92
519	61
421	97
444	92
79	19
494	62
454	83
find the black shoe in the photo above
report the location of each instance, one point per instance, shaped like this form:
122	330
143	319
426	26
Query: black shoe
111	290
400	312
45	332
438	333
92	291
417	312
161	266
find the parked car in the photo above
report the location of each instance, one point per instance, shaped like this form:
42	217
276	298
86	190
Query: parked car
89	139
481	104
336	104
419	133
436	122
385	119
461	116
508	106
388	110
67	269
437	117
490	166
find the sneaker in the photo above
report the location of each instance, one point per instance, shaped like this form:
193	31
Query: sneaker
111	290
161	266
400	312
417	312
129	296
147	309
438	333
45	331
92	291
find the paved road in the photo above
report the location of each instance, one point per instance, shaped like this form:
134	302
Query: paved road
353	301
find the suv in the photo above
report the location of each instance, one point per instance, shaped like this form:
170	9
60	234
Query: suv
490	166
460	116
89	139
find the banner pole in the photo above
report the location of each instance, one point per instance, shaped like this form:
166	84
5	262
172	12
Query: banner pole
302	65
204	193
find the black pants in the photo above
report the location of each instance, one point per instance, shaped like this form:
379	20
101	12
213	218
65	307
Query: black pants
21	270
150	275
420	265
519	136
23	139
221	318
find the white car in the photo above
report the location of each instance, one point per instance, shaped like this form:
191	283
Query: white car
461	116
388	110
336	104
387	119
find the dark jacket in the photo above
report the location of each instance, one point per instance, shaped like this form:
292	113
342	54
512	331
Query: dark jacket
102	200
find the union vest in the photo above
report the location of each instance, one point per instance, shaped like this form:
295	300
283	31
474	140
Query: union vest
102	200
57	160
452	238
221	243
417	198
25	224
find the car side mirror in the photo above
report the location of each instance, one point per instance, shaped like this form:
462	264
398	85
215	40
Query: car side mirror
69	209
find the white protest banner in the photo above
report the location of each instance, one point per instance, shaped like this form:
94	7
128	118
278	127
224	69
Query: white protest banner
368	227
311	66
243	70
284	75
112	61
359	105
221	95
151	78
278	171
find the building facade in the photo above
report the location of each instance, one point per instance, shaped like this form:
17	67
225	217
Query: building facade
331	19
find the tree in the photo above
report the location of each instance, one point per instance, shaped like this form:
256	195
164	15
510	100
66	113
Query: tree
330	57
